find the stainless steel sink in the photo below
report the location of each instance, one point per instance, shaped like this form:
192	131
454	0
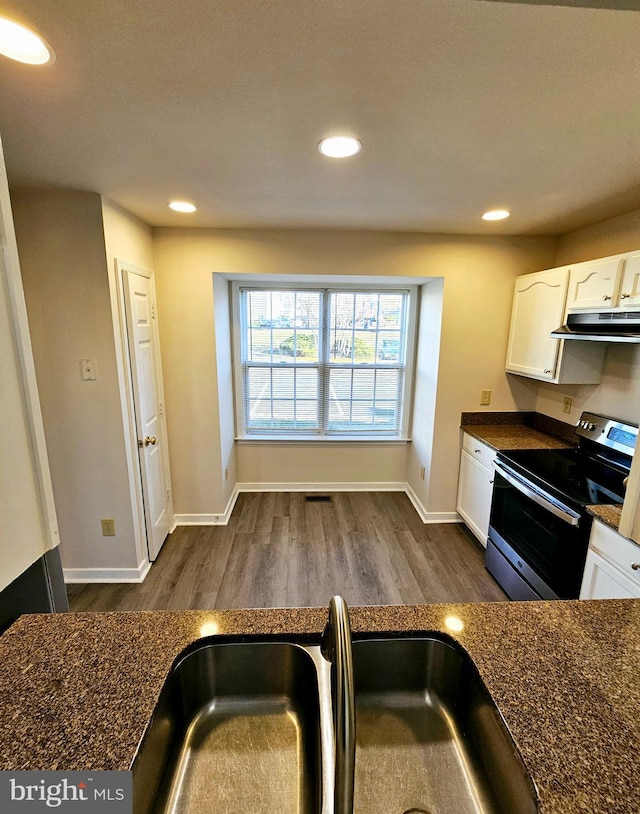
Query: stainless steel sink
428	736
236	730
250	727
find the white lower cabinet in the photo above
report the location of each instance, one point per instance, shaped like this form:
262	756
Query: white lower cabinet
612	569
475	486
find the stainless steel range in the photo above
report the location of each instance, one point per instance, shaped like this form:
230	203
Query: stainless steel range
539	526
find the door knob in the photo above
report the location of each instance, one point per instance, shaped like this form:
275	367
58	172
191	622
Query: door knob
147	440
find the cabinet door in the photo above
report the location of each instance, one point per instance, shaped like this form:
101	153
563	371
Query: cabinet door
538	309
602	580
594	285
474	495
630	285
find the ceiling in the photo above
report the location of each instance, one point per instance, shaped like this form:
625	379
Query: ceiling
461	106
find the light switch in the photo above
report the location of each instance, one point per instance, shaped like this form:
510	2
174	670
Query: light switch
89	373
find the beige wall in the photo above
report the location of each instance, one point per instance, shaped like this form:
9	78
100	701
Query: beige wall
619	392
27	519
224	364
478	277
125	237
64	267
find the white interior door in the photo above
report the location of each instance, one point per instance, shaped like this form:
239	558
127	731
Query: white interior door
142	331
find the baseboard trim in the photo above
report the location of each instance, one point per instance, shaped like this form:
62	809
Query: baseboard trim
107	574
426	516
209	519
377	486
383	486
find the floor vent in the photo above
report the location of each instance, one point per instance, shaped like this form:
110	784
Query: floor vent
318	498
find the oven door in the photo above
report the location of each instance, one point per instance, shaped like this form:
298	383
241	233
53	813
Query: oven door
537	546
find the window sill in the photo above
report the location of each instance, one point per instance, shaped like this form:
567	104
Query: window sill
319	439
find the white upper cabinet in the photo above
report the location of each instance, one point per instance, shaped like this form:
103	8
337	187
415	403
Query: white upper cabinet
539	308
613	282
595	284
629	296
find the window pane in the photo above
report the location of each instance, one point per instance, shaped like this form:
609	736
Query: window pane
366	327
281	326
282	398
362	400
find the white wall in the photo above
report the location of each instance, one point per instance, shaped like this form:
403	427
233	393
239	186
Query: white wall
64	268
478	277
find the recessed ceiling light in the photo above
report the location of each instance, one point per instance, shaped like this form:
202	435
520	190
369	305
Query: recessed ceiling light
23	45
496	214
339	146
182	206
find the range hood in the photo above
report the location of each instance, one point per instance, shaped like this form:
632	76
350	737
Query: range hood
601	326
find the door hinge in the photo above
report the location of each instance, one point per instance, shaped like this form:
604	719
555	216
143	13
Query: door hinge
160	408
168	495
153	310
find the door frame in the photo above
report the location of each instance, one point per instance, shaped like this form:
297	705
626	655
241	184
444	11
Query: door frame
125	385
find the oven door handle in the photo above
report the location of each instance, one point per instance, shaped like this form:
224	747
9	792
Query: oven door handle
564	514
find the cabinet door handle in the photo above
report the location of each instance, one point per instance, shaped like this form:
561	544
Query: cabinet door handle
477	451
635	566
548	370
624	296
606	297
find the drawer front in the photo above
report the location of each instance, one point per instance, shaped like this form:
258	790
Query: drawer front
616	549
478	450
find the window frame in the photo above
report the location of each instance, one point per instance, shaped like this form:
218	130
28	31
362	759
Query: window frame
326	286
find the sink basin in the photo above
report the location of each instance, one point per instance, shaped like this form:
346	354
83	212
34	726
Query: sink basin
428	736
236	730
248	727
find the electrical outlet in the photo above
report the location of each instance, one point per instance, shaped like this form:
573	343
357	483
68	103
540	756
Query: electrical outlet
89	372
485	398
108	527
566	405
422	472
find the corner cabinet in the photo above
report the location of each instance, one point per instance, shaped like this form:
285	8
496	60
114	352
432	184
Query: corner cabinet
612	569
475	486
538	308
613	282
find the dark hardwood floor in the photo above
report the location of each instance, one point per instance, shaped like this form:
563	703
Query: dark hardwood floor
279	550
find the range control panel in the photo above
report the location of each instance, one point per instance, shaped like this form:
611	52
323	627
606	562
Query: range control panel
609	432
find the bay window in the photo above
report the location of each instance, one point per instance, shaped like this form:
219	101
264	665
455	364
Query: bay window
314	361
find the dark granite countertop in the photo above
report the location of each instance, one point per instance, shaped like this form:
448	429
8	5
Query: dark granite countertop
518	430
514	436
609	515
78	690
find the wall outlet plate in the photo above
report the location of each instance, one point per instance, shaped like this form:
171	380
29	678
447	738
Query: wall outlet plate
108	527
566	404
485	398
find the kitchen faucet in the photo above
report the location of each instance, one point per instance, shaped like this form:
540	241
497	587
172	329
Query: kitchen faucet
336	648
